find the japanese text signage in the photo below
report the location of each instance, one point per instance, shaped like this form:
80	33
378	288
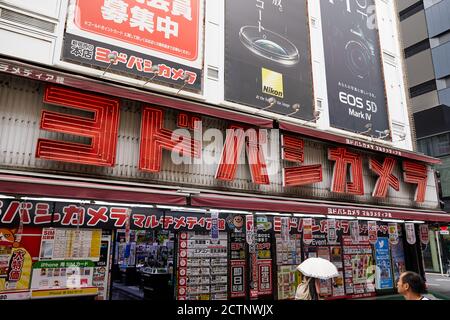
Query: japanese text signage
171	30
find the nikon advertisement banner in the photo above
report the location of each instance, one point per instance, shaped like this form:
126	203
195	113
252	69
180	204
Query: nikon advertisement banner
356	90
267	55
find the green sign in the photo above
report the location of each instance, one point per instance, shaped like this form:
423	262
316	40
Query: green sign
64	264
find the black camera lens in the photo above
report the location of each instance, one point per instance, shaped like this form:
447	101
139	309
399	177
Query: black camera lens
357	59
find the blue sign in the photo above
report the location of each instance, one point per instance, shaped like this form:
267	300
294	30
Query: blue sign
383	264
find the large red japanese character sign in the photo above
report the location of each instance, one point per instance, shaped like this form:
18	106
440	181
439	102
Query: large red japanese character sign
102	128
386	178
170	27
343	158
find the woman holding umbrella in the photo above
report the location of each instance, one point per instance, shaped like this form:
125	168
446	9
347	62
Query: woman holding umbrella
312	270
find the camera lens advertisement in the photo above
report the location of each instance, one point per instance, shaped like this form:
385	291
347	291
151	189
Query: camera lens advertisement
356	90
268	56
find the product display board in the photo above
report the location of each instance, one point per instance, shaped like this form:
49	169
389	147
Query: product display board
238	265
264	263
202	266
62	274
359	267
68	244
338	288
288	258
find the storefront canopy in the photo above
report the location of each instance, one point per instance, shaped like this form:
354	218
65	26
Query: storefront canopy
44	187
303	207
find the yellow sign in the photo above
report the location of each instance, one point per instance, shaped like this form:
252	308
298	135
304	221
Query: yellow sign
272	83
63	292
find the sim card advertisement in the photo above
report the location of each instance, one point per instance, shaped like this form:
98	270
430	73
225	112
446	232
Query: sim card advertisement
268	56
355	80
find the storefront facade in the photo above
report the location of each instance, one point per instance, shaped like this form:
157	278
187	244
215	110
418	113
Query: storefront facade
86	165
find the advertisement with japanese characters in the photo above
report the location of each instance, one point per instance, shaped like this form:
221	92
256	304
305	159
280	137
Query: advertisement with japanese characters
356	88
141	34
383	262
268	56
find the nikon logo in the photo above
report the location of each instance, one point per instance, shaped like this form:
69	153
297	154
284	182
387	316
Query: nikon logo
272	83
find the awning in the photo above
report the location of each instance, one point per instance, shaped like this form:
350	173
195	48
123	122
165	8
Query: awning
120	90
220	201
375	147
42	187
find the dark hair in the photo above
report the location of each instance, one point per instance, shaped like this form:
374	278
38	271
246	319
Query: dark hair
415	281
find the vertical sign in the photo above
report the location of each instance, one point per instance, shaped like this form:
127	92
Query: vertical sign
393	233
331	233
356	89
250	229
410	233
383	264
284	229
372	231
354	231
307	230
214	227
268	56
424	235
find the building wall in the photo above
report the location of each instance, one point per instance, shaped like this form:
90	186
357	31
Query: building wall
48	50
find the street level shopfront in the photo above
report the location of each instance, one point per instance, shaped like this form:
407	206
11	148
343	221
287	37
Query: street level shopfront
104	186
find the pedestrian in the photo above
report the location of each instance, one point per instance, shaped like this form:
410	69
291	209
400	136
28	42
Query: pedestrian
412	286
308	289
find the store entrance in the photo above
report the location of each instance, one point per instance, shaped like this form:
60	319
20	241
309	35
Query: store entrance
143	267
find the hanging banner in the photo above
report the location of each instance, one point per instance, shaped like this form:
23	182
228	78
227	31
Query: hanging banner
424	235
410	233
250	229
372	231
331	233
356	88
307	231
268	56
284	229
354	231
383	264
214	233
393	233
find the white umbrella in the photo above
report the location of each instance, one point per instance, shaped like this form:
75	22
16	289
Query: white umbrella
318	268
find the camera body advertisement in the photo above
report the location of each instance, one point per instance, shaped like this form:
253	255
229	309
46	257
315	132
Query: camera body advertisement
268	56
356	88
141	34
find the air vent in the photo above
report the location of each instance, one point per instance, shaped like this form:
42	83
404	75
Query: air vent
23	19
213	73
389	58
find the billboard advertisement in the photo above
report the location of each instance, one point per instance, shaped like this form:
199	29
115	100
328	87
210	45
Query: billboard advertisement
141	34
355	83
268	56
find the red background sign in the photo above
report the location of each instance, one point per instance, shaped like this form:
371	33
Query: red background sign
167	26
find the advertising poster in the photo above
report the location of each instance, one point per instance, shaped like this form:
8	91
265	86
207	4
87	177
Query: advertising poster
142	34
393	233
101	274
288	280
238	265
62	274
398	260
264	277
424	235
372	231
307	231
331	231
383	264
288	252
410	233
284	228
338	282
359	268
354	231
214	232
250	229
268	56
356	88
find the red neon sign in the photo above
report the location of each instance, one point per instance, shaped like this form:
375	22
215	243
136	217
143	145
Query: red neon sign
102	128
